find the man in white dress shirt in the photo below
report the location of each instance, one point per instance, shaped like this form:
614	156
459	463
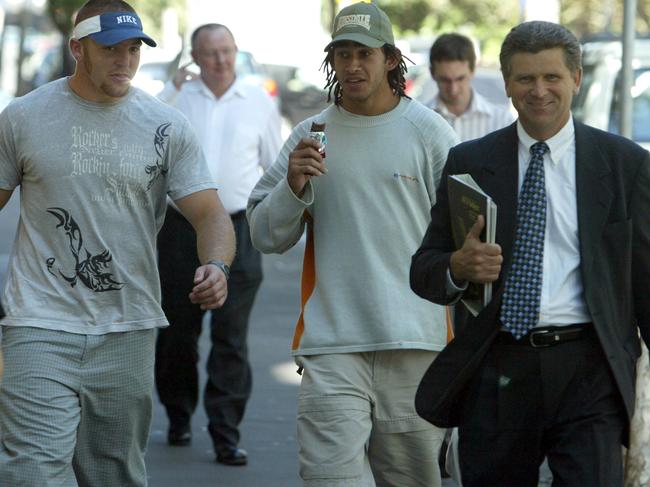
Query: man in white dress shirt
238	125
453	62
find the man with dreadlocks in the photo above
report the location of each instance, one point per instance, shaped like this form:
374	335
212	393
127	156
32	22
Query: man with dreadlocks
362	340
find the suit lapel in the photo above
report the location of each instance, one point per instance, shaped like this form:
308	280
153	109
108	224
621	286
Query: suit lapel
594	194
500	181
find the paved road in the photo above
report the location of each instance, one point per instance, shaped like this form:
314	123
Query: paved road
268	430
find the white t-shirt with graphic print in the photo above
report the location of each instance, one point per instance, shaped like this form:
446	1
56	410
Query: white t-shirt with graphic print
94	180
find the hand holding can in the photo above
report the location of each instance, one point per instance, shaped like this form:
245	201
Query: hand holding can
307	160
317	132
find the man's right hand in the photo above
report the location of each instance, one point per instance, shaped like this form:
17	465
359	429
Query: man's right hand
183	75
304	162
476	261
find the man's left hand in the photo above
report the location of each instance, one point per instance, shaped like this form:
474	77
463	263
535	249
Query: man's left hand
210	287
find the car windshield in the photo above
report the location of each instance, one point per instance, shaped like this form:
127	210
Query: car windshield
579	100
244	64
640	106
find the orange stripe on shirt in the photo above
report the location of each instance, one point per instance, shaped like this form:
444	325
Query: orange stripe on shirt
450	326
308	280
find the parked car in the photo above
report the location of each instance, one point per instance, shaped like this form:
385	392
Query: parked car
155	70
246	66
153	73
599	101
303	95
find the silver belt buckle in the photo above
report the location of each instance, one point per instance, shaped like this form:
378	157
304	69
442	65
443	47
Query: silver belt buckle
531	339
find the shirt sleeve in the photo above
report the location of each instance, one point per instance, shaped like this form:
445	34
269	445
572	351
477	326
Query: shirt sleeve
275	214
188	168
10	171
443	139
506	116
453	290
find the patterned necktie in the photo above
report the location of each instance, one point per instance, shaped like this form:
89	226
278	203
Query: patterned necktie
520	307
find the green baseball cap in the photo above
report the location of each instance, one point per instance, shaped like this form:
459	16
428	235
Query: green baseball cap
364	23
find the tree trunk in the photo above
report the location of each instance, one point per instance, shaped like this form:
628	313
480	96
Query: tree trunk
62	12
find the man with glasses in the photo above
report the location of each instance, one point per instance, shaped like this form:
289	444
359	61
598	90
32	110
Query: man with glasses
238	126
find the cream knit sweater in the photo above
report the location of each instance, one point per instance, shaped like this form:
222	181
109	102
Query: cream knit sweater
365	218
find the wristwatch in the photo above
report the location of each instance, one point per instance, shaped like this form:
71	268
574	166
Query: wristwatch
221	265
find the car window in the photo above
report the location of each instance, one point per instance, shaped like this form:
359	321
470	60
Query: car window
640	106
579	100
244	64
154	70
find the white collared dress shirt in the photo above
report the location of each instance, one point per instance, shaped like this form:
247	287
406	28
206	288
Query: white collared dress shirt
239	133
562	301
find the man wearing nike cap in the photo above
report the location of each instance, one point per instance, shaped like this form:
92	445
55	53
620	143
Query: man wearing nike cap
363	339
95	160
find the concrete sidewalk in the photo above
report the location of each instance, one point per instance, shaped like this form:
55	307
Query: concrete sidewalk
268	430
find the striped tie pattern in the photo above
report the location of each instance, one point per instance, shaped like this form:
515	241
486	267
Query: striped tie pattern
523	289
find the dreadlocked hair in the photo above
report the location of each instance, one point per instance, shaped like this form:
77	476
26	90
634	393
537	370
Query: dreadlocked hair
396	78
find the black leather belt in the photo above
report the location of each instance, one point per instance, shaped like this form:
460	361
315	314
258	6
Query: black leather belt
549	336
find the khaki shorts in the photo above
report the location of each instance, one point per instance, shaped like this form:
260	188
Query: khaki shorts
357	420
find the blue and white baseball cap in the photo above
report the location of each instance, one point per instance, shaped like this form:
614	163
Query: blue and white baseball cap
112	28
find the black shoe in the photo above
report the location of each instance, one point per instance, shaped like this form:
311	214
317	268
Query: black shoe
232	456
179	436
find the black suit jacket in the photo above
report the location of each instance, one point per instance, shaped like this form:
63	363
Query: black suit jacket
613	203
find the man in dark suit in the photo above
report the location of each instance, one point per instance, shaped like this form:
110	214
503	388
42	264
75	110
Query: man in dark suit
548	368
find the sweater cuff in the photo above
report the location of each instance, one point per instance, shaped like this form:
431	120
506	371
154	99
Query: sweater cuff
307	197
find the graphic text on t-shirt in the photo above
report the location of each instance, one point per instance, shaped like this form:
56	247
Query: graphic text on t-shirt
159	142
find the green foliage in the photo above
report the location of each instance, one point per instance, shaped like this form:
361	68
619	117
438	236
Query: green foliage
150	11
430	16
407	15
487	21
588	17
61	12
